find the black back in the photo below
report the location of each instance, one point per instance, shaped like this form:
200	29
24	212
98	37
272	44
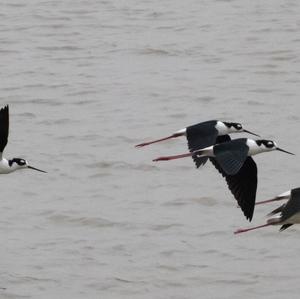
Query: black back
4	127
243	184
200	136
231	155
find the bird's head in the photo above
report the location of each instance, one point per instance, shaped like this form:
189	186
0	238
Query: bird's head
19	163
269	145
236	128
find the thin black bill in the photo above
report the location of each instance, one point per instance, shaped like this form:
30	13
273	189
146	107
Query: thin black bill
30	167
280	149
251	133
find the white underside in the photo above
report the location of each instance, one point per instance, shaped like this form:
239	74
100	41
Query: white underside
294	219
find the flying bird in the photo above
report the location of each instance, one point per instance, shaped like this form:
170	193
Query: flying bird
233	160
289	213
202	135
8	166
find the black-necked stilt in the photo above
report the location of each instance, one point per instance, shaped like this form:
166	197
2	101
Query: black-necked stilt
7	166
289	213
233	160
202	135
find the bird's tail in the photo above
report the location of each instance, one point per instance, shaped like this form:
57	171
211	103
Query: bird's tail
274	221
198	153
276	211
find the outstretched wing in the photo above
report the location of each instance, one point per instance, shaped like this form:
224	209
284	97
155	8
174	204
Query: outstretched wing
243	184
231	155
200	136
4	126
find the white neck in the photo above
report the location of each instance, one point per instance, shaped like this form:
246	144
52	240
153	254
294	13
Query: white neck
5	168
221	128
255	149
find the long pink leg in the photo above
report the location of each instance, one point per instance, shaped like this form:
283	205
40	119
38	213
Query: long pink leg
243	230
270	200
167	158
158	140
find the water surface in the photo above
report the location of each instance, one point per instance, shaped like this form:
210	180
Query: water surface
85	81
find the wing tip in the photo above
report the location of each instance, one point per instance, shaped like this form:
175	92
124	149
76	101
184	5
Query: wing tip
249	217
285	226
5	108
199	161
248	212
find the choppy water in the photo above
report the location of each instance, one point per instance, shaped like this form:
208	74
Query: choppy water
85	81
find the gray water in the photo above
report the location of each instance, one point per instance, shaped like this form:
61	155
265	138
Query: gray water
86	81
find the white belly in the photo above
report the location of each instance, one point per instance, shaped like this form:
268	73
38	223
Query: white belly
294	219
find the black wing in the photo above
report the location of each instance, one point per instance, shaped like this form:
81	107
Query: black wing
4	126
277	210
292	206
285	226
200	136
223	138
242	185
231	155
